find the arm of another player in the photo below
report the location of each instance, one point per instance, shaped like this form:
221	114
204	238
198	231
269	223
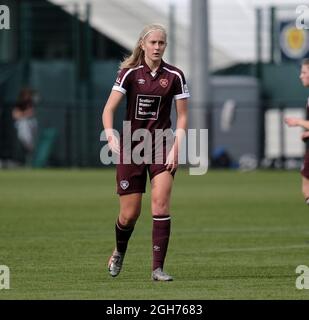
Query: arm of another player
111	106
297	122
181	126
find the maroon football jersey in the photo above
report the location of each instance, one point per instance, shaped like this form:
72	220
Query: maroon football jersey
150	96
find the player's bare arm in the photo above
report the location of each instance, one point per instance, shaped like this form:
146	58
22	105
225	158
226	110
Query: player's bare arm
108	119
297	122
181	125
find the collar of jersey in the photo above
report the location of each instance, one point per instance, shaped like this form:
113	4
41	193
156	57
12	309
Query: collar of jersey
148	70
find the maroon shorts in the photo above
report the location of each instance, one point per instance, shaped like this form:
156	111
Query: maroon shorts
132	178
305	167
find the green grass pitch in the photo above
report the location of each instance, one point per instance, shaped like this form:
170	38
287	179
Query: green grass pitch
234	236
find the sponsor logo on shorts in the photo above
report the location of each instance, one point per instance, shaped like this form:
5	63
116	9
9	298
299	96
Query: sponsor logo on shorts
163	83
156	248
124	184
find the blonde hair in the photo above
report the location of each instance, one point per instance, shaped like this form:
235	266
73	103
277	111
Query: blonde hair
137	55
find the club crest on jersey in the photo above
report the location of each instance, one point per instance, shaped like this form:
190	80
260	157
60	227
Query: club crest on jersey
141	81
164	83
124	184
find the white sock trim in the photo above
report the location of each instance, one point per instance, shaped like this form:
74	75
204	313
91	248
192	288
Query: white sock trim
127	229
162	219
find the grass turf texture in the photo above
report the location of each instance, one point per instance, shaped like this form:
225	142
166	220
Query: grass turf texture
234	236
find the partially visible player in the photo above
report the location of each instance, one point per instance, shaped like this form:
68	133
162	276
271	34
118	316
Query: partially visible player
150	86
304	123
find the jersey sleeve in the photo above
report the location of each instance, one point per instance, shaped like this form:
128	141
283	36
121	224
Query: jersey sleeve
181	88
122	82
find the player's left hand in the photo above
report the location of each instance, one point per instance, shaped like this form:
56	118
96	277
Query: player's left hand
171	162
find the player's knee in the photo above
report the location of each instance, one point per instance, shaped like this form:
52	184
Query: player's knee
160	206
128	218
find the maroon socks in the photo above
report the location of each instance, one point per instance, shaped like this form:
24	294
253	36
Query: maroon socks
123	234
161	229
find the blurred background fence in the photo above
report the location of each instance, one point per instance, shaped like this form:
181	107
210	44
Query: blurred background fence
70	58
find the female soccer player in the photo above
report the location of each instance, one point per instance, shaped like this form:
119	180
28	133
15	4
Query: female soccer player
150	85
298	122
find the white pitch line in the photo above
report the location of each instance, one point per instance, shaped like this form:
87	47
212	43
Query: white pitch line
295	246
248	230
